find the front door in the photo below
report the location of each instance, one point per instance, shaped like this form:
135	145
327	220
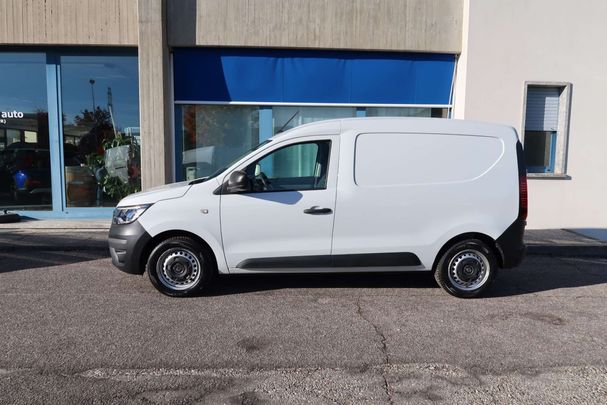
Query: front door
286	220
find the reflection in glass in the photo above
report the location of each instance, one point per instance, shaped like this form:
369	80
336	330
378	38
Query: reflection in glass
539	151
286	118
100	103
25	174
213	136
406	112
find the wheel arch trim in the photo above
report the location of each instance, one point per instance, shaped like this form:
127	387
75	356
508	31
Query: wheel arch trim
159	237
488	240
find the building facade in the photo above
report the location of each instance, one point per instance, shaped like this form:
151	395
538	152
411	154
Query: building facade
101	98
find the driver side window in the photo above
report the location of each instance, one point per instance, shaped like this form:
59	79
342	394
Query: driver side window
301	166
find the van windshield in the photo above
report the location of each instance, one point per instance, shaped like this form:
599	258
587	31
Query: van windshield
223	169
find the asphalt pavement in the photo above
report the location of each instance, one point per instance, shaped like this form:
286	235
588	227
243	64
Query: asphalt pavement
75	330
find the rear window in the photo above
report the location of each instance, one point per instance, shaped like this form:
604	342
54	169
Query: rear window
393	159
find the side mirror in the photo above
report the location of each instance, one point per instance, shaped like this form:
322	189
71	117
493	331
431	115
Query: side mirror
238	182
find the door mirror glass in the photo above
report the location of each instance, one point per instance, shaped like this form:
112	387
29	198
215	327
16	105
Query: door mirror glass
257	169
238	182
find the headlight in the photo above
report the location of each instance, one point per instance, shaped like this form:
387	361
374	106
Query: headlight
126	215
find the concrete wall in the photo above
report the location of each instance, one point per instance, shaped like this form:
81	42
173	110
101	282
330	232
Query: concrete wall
68	22
510	42
413	25
155	102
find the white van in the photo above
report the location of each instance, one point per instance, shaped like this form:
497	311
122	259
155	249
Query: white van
361	194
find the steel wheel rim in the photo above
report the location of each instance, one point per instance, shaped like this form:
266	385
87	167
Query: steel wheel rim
469	270
180	269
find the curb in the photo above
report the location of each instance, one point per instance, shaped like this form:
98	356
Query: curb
54	248
567	250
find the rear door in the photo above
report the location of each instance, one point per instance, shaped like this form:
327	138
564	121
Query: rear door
286	220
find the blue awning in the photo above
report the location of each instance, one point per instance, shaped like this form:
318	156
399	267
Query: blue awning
311	76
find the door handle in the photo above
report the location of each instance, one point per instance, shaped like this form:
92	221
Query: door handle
315	210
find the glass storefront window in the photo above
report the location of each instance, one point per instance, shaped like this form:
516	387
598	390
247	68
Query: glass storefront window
100	103
211	136
25	172
406	112
290	117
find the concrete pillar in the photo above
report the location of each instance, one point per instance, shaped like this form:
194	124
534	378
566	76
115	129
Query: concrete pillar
154	95
461	73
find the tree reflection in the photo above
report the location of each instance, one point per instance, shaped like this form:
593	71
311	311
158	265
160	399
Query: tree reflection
109	161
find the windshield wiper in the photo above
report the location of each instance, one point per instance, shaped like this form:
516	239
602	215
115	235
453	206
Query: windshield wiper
197	181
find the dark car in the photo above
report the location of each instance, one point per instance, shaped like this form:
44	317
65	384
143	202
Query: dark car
25	173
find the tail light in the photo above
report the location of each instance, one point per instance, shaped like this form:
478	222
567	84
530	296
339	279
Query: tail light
522	183
522	196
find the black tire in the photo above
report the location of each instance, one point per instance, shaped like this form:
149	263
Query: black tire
181	266
466	269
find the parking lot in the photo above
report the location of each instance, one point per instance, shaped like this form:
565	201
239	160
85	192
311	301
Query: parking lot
74	329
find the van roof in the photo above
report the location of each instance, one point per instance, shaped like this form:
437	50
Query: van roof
404	124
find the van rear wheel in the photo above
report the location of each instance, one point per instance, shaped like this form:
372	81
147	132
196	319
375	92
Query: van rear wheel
466	269
180	266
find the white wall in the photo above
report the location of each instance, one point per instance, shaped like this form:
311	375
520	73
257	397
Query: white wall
509	42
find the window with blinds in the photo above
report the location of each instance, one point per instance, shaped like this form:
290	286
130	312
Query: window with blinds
542	108
541	127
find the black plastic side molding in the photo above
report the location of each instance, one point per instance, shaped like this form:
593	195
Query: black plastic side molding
353	260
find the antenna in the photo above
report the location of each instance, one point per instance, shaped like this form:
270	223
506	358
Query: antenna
110	107
287	123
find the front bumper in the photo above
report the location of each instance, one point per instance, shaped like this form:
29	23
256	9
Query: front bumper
127	245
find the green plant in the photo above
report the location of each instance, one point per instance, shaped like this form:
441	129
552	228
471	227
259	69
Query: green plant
113	186
94	161
121	140
118	140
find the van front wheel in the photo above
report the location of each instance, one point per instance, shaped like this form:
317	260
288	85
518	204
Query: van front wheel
466	269
180	266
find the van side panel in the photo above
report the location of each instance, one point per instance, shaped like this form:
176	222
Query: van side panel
407	159
413	192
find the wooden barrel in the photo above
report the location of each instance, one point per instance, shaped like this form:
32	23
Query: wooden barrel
81	186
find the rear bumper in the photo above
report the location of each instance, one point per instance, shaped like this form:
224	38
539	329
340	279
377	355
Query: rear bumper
127	244
511	245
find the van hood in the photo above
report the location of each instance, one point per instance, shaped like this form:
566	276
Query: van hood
153	195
